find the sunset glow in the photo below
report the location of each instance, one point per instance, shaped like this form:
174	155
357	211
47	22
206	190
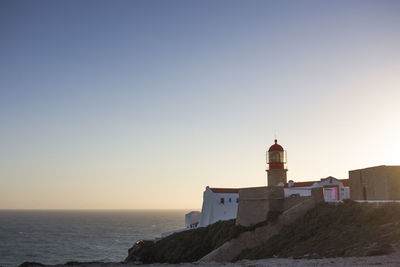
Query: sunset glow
116	109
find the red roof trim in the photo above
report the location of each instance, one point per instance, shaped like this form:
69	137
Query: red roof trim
225	190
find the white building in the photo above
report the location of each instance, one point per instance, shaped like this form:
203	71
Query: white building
219	204
192	219
334	189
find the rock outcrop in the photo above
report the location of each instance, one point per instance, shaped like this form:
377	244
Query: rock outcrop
135	253
251	239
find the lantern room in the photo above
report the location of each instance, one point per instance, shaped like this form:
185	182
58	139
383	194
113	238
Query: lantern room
276	156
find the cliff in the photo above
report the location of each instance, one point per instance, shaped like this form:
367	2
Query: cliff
191	245
187	246
327	230
342	230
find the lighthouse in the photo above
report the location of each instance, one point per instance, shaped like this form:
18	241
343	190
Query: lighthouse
276	159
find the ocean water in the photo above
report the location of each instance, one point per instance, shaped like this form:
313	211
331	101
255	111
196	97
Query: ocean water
53	237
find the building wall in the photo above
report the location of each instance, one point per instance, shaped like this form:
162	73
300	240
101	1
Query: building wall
345	192
213	210
331	182
192	219
276	176
256	202
328	184
298	191
375	183
293	201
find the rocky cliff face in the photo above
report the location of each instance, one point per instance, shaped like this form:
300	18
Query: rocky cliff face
187	246
335	230
251	239
306	230
137	253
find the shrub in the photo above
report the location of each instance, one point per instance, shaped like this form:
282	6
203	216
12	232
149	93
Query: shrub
332	230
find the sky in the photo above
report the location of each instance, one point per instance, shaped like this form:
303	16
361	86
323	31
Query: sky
142	104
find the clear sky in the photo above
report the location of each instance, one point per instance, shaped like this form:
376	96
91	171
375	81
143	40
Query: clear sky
142	104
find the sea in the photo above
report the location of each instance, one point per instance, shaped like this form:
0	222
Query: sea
55	236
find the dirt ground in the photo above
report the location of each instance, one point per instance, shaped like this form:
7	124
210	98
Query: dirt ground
392	260
387	261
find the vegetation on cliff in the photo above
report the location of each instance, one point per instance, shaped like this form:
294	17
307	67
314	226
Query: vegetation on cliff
329	230
342	230
191	245
187	246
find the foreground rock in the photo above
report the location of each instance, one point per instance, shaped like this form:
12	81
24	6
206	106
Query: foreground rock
387	261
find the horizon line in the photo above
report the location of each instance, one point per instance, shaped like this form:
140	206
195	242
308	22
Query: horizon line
97	209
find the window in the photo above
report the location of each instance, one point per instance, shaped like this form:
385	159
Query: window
230	200
222	201
237	200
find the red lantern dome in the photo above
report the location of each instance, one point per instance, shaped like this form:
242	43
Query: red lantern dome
275	147
276	156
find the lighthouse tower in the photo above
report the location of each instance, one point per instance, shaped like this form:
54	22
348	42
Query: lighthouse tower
276	159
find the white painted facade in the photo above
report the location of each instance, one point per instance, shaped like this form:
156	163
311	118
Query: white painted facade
219	204
333	189
192	219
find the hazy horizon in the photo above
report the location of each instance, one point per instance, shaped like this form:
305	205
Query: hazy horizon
142	104
99	209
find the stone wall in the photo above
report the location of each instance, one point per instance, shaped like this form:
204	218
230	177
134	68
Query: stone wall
317	194
256	202
375	183
276	176
292	201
